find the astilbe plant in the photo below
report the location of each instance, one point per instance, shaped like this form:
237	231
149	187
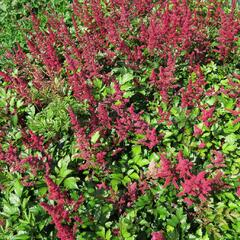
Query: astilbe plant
192	185
58	211
38	160
227	34
186	32
153	39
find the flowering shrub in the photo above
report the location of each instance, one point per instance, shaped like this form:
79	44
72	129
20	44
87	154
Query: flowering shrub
123	124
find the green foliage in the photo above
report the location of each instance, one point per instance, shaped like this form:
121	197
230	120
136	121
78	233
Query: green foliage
53	119
14	20
22	218
112	209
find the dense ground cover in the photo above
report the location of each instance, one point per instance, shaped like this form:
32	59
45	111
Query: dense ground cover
120	120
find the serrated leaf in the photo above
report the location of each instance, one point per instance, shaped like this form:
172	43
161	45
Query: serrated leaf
136	150
71	183
18	188
10	210
63	172
154	157
231	138
142	162
14	199
173	221
126	180
228	147
126	78
134	176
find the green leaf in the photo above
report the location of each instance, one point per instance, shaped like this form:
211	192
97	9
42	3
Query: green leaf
101	232
98	83
63	165
19	103
173	221
116	176
128	94
3	6
231	138
10	210
162	212
71	183
205	237
175	111
2	103
141	162
136	150
126	78
18	188
170	228
18	135
228	147
154	157
231	128
114	183
42	191
126	87
64	172
134	176
95	137
211	101
25	202
108	235
12	102
14	120
14	199
21	237
126	180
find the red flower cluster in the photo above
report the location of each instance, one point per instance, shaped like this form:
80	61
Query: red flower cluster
228	31
157	236
60	216
135	35
192	185
129	121
206	115
196	186
192	94
36	162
